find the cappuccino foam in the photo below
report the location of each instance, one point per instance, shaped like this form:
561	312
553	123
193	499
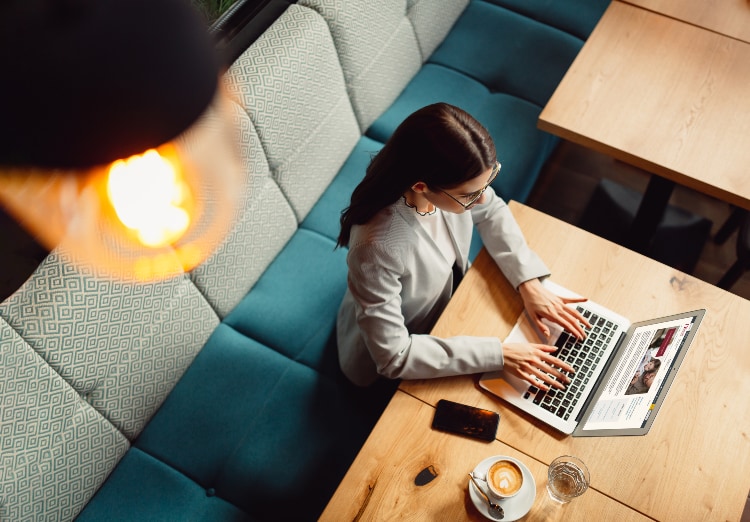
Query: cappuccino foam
505	478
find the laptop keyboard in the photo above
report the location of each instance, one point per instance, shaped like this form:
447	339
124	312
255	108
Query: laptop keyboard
584	356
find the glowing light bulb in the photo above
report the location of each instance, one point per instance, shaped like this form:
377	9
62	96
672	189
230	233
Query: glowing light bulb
150	197
151	216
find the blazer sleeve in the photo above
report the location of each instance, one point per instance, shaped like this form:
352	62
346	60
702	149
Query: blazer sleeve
504	241
375	283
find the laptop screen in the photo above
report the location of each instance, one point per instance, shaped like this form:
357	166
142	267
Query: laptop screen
638	380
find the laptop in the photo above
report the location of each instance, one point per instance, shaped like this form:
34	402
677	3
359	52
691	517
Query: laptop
623	371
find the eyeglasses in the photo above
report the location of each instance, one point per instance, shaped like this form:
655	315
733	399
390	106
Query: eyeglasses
474	196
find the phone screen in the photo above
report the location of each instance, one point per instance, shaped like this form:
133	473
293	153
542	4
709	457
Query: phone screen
466	420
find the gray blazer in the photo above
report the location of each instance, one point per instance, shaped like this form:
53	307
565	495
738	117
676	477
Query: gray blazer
399	283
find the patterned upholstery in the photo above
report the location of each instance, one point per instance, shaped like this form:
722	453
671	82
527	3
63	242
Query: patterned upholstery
290	83
55	449
263	225
377	47
122	346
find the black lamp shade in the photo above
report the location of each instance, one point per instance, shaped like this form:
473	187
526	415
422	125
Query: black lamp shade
86	82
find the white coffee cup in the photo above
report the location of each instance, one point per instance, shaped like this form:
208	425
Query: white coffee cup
504	479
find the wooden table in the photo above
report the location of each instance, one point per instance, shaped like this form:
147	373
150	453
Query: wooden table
728	17
663	95
380	484
693	463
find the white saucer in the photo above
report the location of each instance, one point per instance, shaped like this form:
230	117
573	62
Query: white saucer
514	507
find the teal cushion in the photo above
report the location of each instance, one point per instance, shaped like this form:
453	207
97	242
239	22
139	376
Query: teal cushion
264	432
324	216
508	52
577	17
521	147
293	306
143	488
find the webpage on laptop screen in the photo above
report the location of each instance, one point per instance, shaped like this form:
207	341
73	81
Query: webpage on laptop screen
635	384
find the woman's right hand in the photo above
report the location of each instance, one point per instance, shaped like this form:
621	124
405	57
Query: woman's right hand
534	363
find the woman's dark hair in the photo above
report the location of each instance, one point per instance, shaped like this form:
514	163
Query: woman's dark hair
440	144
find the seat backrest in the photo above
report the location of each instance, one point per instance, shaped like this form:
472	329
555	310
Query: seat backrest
121	345
263	224
383	43
53	444
296	128
291	85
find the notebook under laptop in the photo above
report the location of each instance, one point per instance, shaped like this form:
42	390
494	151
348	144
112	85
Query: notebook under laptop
621	380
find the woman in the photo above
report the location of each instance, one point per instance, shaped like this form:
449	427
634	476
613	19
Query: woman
408	229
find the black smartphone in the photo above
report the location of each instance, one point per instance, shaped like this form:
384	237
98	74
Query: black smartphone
466	420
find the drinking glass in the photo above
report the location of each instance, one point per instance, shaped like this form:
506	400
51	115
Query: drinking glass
567	478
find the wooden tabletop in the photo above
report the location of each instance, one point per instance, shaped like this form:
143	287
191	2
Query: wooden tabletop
673	472
663	95
693	463
728	17
380	485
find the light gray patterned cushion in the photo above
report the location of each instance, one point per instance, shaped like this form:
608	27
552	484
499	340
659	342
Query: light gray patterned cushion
378	49
433	20
263	225
55	449
122	346
291	84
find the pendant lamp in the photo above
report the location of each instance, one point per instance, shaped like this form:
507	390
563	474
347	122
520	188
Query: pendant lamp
116	144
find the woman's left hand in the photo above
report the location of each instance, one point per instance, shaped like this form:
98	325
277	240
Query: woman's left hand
541	303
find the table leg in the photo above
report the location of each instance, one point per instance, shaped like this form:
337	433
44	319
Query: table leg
650	213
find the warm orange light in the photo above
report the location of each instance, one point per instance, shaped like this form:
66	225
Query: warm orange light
151	198
154	215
